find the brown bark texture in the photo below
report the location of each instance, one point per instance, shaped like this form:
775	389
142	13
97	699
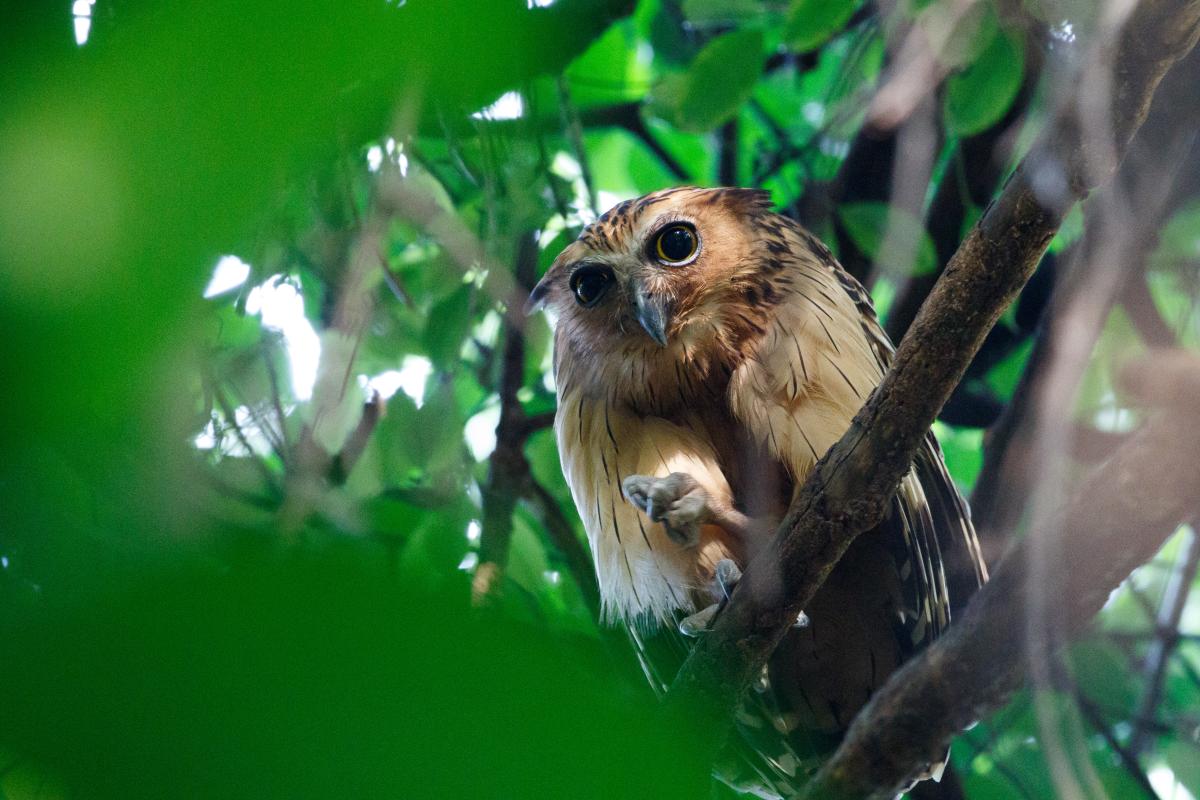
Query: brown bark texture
1118	519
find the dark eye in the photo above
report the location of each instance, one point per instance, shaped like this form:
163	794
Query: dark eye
676	244
589	284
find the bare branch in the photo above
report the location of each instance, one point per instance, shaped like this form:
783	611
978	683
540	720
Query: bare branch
507	467
848	490
356	444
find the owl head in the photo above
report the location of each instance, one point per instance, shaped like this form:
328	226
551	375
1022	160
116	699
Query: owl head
662	277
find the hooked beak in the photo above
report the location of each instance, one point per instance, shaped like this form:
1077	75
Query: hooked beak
654	314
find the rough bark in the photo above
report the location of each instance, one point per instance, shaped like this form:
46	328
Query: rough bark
1118	519
849	488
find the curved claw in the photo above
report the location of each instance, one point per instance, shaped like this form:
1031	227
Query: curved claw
698	623
727	576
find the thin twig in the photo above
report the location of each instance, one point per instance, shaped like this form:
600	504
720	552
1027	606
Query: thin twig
1166	636
1128	759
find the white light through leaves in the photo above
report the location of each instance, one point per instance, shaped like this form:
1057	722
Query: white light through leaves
392	151
281	306
230	273
411	378
509	106
81	11
480	431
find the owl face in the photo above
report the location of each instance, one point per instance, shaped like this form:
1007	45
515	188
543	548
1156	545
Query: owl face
653	273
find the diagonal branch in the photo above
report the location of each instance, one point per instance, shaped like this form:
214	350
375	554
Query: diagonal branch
1119	518
848	490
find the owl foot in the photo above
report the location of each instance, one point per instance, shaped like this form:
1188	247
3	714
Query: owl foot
677	501
726	576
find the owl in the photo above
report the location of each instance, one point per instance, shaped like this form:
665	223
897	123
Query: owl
707	352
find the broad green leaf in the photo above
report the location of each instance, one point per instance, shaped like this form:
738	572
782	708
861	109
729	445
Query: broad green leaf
611	70
624	165
811	22
979	96
892	237
717	83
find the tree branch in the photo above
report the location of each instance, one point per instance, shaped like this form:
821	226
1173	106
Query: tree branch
507	467
849	489
1119	518
1120	230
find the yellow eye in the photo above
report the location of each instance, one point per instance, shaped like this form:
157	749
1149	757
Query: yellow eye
676	244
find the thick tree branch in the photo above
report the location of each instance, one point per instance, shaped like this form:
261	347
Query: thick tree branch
1119	518
848	490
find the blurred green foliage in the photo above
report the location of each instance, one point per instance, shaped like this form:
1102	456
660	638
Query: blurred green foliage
210	585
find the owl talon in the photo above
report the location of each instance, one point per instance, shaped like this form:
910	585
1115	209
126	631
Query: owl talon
677	501
725	577
698	623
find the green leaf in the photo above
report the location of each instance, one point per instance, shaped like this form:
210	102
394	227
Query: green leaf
894	238
717	83
1003	377
811	22
1101	667
979	96
610	71
716	13
448	324
1181	757
963	450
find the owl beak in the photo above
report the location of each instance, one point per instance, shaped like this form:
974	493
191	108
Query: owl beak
654	314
